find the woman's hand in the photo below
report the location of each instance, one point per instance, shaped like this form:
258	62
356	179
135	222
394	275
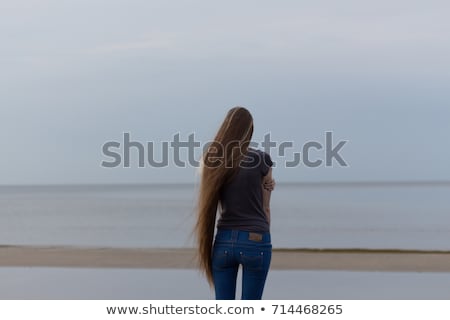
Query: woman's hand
269	185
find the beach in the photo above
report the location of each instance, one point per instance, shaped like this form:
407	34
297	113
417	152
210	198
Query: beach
64	272
184	258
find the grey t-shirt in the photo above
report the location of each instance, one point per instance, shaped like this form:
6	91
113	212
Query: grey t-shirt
241	199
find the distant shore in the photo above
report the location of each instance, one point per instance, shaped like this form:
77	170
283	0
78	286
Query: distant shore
184	258
324	183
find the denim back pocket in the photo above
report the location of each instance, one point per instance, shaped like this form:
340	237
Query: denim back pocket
252	260
221	258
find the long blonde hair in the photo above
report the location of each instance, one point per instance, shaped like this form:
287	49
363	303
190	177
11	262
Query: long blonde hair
220	163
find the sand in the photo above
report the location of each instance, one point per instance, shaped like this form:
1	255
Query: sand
282	259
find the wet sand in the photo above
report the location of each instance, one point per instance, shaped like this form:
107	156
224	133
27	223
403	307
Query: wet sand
282	259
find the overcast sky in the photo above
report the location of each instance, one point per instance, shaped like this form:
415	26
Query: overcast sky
76	74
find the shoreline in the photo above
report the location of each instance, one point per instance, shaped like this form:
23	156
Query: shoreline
351	259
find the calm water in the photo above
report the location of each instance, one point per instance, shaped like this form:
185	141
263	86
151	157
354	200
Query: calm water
365	216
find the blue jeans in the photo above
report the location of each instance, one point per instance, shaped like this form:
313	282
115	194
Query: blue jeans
232	248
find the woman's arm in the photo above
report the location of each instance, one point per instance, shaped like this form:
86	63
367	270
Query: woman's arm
266	192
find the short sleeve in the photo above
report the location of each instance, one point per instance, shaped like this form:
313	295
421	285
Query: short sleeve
266	163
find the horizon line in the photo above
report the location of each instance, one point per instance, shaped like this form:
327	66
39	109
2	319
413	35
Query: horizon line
350	183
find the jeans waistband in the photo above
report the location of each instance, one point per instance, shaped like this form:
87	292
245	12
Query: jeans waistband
227	235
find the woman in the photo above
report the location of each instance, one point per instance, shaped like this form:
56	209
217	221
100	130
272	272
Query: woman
237	181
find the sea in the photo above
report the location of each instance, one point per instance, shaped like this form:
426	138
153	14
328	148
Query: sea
368	215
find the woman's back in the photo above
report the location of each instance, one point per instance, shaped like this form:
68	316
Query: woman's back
241	199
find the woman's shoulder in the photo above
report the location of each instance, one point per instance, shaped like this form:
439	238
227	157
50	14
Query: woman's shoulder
260	156
257	152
